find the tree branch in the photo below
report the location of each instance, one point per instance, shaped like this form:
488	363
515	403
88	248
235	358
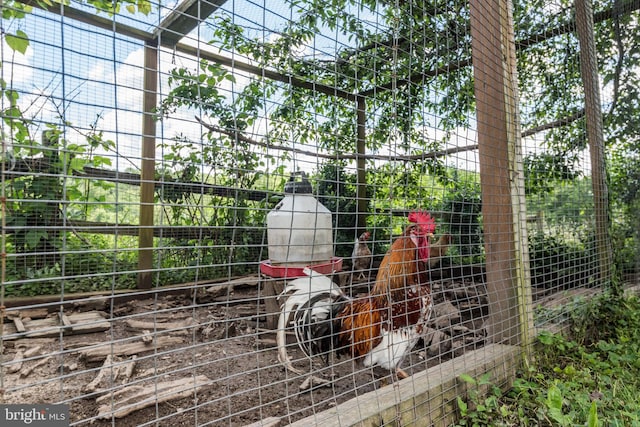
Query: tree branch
555	124
240	137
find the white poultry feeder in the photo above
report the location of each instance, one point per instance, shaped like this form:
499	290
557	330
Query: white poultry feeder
299	235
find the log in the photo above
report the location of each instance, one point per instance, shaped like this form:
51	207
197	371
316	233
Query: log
160	326
64	319
77	323
26	371
16	363
26	342
98	354
32	351
89	305
133	398
42	328
225	288
105	370
89	323
31	313
17	322
128	369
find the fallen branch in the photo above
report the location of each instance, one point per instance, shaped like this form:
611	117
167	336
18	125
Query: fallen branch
27	371
133	398
107	367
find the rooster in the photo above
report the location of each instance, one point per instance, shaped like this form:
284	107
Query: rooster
378	330
361	256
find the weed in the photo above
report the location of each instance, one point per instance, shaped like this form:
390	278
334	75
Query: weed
593	381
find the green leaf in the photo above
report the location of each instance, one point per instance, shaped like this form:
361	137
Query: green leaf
131	9
18	42
12	96
554	398
32	238
77	164
468	379
546	338
484	379
554	405
144	7
101	161
592	420
462	405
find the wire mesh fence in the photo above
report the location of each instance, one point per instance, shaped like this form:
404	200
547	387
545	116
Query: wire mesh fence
236	212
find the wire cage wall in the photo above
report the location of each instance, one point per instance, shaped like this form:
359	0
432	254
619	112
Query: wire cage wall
146	144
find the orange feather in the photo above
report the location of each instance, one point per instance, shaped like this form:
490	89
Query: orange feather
361	321
399	270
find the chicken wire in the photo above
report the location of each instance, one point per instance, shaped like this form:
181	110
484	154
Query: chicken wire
136	292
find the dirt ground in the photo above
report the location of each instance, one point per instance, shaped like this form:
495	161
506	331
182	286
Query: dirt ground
218	345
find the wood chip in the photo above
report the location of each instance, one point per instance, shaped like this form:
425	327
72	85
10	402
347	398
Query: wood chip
69	367
446	309
147	337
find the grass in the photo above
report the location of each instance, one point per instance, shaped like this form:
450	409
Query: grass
592	378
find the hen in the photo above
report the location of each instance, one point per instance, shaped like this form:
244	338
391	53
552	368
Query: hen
377	330
361	256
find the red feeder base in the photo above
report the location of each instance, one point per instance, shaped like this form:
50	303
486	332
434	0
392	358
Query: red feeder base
288	271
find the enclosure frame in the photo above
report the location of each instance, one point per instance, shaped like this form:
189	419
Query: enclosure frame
499	138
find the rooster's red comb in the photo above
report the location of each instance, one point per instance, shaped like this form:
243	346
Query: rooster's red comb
424	220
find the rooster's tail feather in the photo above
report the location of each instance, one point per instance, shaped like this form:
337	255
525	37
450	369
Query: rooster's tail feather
311	307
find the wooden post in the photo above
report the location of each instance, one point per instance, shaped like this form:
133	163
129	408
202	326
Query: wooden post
147	176
501	175
362	206
593	112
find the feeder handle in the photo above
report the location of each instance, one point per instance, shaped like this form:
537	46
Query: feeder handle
300	187
302	174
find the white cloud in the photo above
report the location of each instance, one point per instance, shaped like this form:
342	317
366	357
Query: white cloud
97	73
16	67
